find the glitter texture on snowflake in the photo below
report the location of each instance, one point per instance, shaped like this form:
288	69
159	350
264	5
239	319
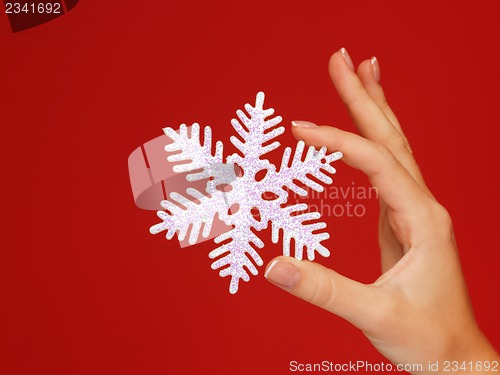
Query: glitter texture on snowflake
237	255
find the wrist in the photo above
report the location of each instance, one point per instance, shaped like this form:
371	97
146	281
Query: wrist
466	354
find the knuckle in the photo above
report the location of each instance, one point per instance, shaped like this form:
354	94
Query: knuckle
438	220
386	155
397	143
384	159
350	98
384	103
437	224
443	218
323	293
408	146
384	151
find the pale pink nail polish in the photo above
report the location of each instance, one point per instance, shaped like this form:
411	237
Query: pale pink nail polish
347	58
375	68
304	124
282	274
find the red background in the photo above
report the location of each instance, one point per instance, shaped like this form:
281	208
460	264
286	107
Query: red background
85	289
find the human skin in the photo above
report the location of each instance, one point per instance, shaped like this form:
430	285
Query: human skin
419	309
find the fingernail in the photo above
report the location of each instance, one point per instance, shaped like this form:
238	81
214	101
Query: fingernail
304	124
375	68
347	58
283	274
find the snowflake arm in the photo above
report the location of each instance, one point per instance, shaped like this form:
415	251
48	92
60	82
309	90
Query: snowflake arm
315	163
195	214
294	227
253	137
194	154
239	254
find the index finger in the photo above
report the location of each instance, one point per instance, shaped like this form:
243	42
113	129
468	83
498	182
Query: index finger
394	183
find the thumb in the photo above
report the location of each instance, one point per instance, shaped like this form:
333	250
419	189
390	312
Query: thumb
357	303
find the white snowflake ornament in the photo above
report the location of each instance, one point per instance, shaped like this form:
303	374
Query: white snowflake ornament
246	196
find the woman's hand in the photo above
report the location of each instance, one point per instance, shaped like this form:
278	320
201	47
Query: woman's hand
419	309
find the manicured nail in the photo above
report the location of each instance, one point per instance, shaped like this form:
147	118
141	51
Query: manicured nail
347	58
283	274
375	68
304	124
